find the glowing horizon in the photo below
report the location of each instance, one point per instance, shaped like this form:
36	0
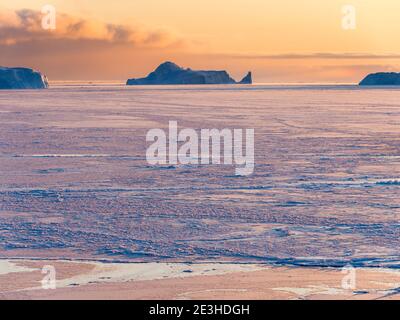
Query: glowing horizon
280	41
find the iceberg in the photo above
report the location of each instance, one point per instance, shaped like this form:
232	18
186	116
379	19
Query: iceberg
168	73
22	78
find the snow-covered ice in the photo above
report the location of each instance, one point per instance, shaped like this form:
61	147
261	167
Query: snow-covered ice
74	181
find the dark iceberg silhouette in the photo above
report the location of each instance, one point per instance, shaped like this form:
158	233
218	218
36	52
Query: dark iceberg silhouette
248	79
22	78
381	79
170	73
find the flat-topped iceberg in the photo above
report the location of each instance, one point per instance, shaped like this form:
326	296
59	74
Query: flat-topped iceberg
22	78
381	79
170	73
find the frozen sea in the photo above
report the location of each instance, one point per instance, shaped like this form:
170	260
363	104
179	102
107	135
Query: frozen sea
75	184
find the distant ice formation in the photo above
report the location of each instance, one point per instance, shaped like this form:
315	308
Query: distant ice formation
170	73
22	78
381	79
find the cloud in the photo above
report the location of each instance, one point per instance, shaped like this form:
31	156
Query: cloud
25	26
82	48
88	49
319	55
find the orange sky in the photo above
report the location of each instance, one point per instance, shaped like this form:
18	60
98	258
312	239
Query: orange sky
279	40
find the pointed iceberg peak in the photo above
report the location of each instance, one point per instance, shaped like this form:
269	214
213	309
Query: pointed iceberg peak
248	79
